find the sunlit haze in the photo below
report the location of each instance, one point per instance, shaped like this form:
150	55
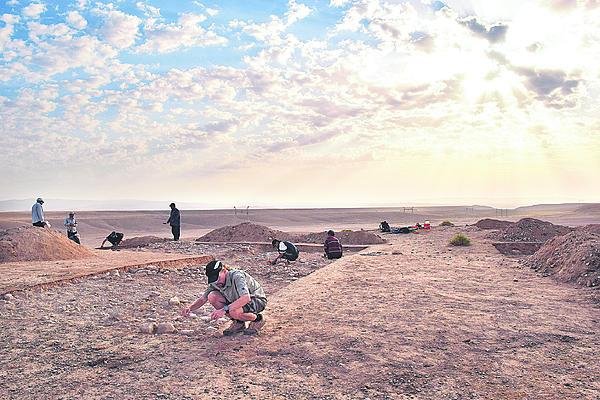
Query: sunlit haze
301	103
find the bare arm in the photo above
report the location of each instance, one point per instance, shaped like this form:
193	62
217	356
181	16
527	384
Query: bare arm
241	302
194	306
238	304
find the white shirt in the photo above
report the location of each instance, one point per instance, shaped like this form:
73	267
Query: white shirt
37	213
71	224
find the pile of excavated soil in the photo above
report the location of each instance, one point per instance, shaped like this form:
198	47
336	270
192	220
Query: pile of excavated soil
249	232
489	223
345	237
38	244
142	241
532	230
244	232
574	257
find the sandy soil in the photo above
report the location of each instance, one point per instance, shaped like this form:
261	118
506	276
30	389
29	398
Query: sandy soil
413	319
95	225
22	275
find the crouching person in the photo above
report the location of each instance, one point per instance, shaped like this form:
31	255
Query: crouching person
233	293
333	247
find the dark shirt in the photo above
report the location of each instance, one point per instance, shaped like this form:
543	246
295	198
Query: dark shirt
333	247
174	218
288	250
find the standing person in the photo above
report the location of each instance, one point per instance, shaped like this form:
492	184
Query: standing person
175	221
287	251
233	293
37	214
71	225
333	247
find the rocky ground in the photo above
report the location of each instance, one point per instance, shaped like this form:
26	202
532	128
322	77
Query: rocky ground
412	319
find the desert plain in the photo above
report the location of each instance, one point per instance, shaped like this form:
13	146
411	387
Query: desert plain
410	317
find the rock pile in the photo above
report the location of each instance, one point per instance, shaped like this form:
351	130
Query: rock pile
532	230
574	257
38	244
489	223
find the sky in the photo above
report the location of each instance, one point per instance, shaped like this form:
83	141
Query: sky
301	103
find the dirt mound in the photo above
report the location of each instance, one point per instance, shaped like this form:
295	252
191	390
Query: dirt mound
345	237
38	244
489	223
594	229
574	257
142	241
532	230
244	232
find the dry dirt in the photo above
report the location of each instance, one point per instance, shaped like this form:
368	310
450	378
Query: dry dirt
249	232
490	223
412	319
38	244
574	257
532	230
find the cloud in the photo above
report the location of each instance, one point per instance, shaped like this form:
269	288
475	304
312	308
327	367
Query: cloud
493	34
37	31
7	30
34	10
76	20
186	32
555	88
148	9
120	29
270	32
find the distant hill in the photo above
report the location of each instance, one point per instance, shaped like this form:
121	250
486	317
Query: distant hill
97	205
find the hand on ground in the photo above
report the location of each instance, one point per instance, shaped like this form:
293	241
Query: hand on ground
217	314
186	312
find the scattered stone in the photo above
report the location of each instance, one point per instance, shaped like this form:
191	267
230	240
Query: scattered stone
174	301
165	327
148	328
8	297
187	332
154	293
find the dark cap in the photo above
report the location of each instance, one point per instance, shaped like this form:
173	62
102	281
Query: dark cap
213	269
172	205
331	232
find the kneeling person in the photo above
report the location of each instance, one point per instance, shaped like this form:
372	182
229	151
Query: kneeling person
333	247
287	251
233	293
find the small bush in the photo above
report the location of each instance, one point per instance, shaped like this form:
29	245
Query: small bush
460	240
446	223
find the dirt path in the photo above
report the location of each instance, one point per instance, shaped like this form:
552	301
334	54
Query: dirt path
411	320
23	275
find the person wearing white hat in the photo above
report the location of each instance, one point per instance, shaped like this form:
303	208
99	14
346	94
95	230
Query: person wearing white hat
37	214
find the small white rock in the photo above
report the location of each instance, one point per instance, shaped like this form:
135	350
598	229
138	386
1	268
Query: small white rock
187	332
9	297
174	301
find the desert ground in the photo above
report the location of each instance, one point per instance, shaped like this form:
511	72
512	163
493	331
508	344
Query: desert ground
413	318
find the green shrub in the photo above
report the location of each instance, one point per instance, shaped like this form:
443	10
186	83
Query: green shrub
460	240
446	223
